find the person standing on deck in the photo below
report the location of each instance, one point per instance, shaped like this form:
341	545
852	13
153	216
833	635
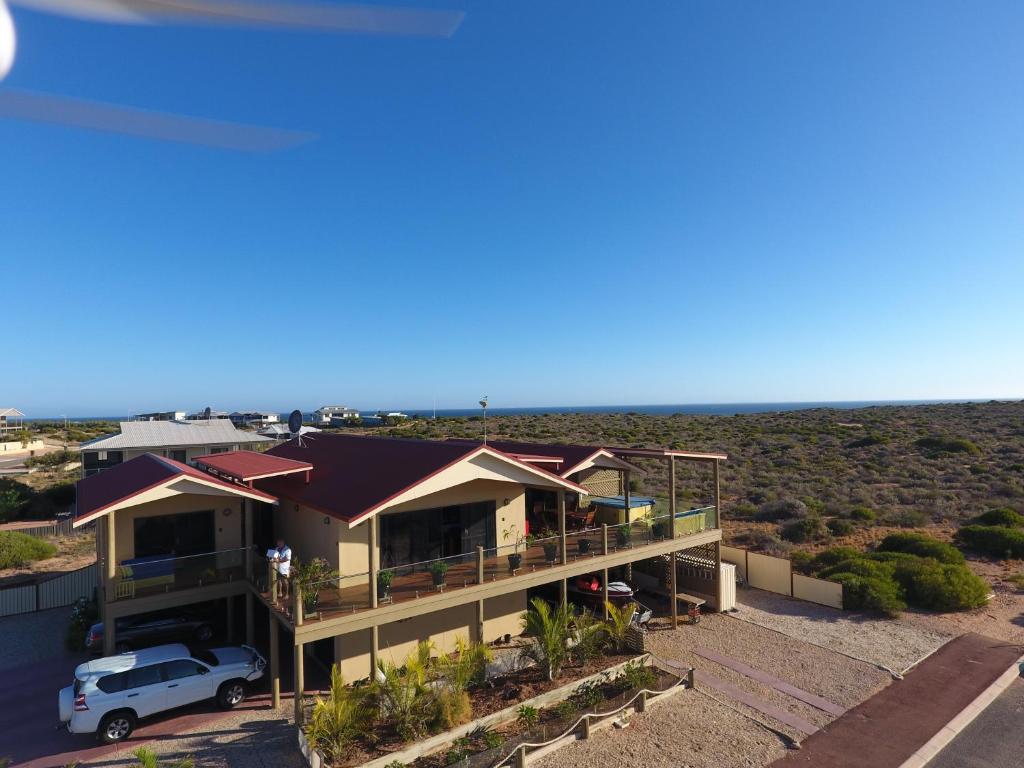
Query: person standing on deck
284	567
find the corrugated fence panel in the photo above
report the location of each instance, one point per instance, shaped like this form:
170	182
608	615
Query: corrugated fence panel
737	557
818	590
64	590
769	573
17	600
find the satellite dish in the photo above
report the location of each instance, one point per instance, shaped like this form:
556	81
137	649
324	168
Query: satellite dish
207	413
295	421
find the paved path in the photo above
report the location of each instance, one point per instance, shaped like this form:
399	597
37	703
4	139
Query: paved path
736	693
994	740
778	684
889	727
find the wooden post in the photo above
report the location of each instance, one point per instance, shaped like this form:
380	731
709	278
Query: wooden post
673	590
690	678
561	526
479	565
272	582
247	517
480	621
110	593
718	497
374	651
604	538
628	521
275	664
297	609
250	619
718	544
300	684
371	543
586	727
641	702
520	760
111	551
565	592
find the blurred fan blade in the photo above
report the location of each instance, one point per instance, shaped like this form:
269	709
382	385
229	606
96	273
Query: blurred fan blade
360	19
163	126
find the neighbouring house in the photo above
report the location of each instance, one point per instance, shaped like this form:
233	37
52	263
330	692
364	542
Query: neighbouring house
427	539
10	420
179	440
160	416
281	431
325	413
208	414
254	418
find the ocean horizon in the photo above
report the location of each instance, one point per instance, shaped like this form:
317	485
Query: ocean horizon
695	409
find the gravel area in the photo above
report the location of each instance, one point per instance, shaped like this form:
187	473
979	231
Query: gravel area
689	730
30	637
896	644
257	738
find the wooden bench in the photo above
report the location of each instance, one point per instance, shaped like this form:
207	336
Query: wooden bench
690	599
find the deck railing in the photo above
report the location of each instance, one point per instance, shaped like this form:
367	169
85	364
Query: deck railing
145	576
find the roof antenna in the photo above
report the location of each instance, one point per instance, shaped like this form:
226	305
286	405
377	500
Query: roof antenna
483	404
295	425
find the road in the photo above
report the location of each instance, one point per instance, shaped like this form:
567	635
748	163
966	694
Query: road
994	740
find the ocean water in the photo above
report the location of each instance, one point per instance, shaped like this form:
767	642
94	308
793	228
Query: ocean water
716	409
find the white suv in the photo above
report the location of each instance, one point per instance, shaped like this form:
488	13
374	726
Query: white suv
112	693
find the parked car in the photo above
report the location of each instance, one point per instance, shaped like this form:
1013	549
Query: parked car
144	630
111	694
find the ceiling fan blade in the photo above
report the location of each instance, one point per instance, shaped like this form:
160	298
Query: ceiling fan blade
162	126
350	18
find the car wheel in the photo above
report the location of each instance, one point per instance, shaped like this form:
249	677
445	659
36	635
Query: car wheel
231	694
122	647
116	726
203	633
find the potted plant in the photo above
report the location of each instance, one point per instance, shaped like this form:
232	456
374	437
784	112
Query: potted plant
583	545
551	546
311	577
438	569
658	529
623	534
384	579
515	559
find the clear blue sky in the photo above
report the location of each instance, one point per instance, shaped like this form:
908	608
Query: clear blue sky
565	203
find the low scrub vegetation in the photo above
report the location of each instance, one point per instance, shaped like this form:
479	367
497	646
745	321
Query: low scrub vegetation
998	533
905	569
18	550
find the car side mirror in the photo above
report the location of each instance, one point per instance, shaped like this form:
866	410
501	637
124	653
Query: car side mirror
204	671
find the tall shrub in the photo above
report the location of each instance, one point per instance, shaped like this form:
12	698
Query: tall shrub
548	629
337	720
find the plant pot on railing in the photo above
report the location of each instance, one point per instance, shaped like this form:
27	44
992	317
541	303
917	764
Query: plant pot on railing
515	561
550	551
658	530
583	545
438	571
384	579
310	604
623	535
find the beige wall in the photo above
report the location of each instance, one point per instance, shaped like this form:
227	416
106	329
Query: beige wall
228	527
817	590
399	639
17	447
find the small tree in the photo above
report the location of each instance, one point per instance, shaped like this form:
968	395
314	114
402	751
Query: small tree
403	695
337	720
549	632
456	673
619	621
588	637
147	759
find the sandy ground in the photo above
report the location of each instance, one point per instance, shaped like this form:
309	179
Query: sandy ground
73	552
895	644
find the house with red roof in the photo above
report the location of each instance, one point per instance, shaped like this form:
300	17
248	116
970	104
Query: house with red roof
392	540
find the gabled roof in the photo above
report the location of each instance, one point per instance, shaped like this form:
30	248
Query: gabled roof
10	412
568	458
124	484
354	477
246	466
161	434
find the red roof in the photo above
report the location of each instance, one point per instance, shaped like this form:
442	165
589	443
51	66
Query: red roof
355	475
249	465
99	492
569	455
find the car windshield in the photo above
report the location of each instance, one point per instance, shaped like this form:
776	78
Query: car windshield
204	656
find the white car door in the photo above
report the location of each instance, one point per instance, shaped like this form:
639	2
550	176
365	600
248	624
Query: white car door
144	690
186	681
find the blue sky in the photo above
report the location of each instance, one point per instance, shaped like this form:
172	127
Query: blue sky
564	203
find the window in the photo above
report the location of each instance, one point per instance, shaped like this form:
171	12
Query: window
111	683
101	455
177	456
179	668
137	678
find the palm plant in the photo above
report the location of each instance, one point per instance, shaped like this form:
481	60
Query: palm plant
147	759
549	631
588	636
620	618
456	672
403	695
337	720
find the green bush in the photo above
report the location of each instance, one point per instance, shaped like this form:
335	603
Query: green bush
860	566
870	594
863	514
1003	516
921	545
784	509
801	561
18	549
940	587
839	527
830	557
993	540
937	445
808	529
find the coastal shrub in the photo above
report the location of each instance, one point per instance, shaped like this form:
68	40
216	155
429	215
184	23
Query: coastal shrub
337	720
870	594
801	561
937	445
808	529
936	586
907	518
921	545
18	549
743	509
995	540
839	527
862	514
548	629
1003	516
860	566
783	509
830	557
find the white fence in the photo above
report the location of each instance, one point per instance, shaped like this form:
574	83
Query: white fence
53	593
775	574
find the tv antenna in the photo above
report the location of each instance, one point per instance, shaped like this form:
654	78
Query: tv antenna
483	404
